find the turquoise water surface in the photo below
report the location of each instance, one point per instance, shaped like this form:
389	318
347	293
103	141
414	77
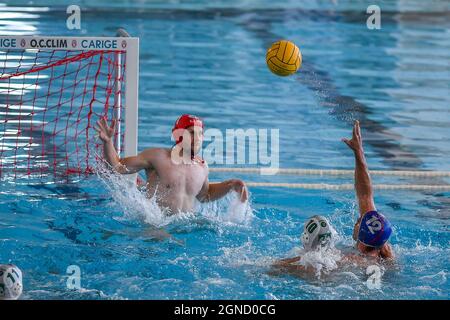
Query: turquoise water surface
207	58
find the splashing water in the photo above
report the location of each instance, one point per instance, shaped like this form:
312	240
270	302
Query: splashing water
228	210
134	202
239	212
137	205
324	259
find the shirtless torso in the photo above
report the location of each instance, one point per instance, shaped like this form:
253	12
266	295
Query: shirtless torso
176	185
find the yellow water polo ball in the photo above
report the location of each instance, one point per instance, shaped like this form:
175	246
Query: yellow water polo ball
283	58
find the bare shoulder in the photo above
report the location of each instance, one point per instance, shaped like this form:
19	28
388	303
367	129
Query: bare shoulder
357	259
291	267
288	260
155	153
387	252
286	263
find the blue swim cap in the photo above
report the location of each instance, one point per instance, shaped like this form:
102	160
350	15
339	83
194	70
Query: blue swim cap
374	229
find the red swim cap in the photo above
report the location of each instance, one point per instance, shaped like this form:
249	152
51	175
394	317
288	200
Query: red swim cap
184	122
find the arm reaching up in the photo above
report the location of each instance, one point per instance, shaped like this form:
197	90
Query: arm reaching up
363	184
125	165
376	228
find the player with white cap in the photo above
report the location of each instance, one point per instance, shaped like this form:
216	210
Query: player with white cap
10	282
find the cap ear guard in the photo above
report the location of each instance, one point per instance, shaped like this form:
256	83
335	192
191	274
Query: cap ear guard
316	232
324	238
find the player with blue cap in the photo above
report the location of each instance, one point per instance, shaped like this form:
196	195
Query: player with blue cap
372	230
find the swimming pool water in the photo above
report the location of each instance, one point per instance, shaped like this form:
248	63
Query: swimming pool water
207	59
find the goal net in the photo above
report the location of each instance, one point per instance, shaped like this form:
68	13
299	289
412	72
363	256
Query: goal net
52	92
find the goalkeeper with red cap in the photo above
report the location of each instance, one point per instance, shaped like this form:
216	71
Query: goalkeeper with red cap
176	176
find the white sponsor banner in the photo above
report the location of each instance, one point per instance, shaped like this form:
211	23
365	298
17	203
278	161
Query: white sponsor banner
66	43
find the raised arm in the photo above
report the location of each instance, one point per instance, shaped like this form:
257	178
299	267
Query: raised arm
363	184
125	165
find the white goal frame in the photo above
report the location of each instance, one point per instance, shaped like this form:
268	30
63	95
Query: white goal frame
128	44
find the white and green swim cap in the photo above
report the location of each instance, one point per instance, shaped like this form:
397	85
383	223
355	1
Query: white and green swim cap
10	282
316	232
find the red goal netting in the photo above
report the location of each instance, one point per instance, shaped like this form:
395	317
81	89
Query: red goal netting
49	102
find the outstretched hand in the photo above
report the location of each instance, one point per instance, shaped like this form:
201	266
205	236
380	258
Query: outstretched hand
105	132
355	143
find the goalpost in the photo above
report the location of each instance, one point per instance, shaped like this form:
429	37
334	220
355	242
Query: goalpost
52	92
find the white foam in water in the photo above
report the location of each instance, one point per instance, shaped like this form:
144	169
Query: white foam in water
136	204
324	259
229	209
440	277
238	212
243	255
